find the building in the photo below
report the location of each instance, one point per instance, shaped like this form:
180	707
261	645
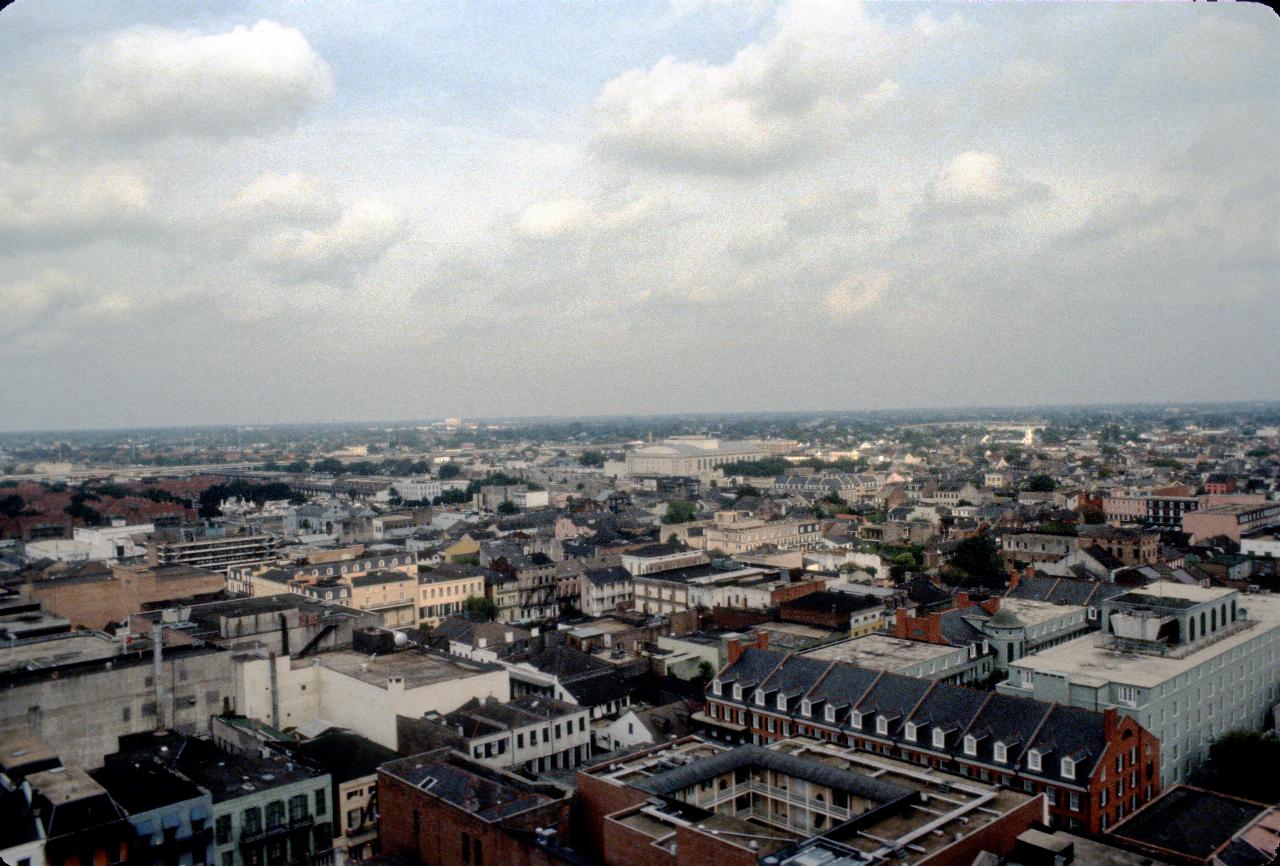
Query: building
661	557
1036	546
117	541
352	763
1194	827
690	455
844	612
844	485
709	586
1189	663
94	599
426	489
531	732
79	821
604	589
442	809
796	802
392	595
1131	546
443	591
910	658
360	691
733	534
171	816
1093	767
343	565
21	836
1161	510
210	547
1231	520
52	685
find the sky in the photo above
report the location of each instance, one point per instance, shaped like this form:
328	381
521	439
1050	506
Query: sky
256	212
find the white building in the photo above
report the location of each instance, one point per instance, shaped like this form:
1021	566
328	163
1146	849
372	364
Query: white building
361	693
690	455
1189	663
114	542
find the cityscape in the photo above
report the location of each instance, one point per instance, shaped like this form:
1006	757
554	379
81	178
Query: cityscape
659	433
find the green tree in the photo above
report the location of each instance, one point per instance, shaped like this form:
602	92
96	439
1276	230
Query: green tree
479	608
329	466
1041	484
1245	764
706	670
449	470
506	506
679	511
591	458
976	563
298	467
453	497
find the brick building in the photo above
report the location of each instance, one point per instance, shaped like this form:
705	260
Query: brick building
1093	767
445	810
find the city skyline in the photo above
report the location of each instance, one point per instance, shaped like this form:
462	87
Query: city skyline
637	209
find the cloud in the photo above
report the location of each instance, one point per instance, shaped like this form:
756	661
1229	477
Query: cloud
552	218
291	198
356	239
978	181
154	82
855	294
824	68
40	311
46	205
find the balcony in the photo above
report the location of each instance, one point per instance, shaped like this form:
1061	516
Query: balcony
250	836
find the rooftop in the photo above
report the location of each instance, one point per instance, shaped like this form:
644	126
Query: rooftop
417	667
1189	821
881	652
1094	660
488	794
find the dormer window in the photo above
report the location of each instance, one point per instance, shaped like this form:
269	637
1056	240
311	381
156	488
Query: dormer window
910	731
737	691
882	724
856	719
1033	760
1001	753
831	714
939	738
806	708
782	702
1068	768
970	744
760	697
715	687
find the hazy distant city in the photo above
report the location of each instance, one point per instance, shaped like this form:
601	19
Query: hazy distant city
661	433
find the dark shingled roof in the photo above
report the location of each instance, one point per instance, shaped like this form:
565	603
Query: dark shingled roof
780	762
487	794
1009	720
1189	820
895	696
949	707
345	755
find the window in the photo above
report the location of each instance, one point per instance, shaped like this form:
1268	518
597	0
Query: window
1128	695
275	814
760	697
319	801
353	817
831	714
910	732
970	744
806	708
1001	752
1102	798
939	738
466	847
519	741
1033	760
1068	768
882	724
715	687
251	820
782	702
222	829
1073	801
856	719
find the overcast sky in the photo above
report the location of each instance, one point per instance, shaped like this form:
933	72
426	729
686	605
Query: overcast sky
287	211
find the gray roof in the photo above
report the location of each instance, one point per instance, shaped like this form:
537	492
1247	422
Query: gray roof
690	774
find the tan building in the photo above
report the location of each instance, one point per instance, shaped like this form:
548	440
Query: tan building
690	455
91	597
444	591
391	594
735	534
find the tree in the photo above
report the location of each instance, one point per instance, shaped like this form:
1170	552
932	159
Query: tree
1041	484
591	458
976	563
673	539
1245	764
449	470
11	505
506	506
679	511
298	467
329	466
453	497
1093	515
706	670
479	609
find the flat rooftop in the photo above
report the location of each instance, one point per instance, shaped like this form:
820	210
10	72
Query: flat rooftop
1168	592
881	652
58	649
418	668
65	785
1034	612
1190	821
1093	660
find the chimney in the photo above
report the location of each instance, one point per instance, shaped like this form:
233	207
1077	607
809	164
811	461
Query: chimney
1110	724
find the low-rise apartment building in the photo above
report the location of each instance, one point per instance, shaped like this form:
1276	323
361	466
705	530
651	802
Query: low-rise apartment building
733	534
1231	520
444	590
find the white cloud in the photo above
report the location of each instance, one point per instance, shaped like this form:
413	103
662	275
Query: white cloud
978	180
552	218
824	67
356	239
157	82
46	204
855	294
293	198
